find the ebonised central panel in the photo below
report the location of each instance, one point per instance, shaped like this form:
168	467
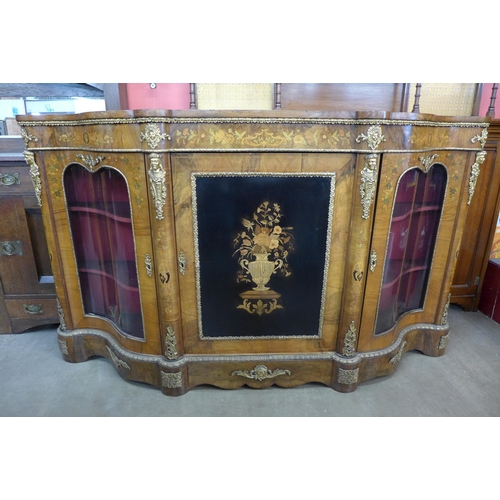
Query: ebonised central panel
262	252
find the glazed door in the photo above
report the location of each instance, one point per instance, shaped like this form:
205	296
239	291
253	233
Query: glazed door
410	255
262	241
102	220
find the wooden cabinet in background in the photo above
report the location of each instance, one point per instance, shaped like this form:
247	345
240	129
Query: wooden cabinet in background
480	227
27	292
232	248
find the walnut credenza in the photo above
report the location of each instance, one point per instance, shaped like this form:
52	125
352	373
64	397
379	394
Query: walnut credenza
258	248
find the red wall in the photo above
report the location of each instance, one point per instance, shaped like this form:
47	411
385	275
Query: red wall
176	96
164	96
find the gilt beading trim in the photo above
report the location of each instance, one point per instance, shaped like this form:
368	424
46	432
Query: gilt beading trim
248	120
250	150
269	358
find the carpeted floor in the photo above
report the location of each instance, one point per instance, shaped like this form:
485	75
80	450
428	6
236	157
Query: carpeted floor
35	381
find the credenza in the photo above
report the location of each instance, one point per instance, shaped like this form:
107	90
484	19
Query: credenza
259	248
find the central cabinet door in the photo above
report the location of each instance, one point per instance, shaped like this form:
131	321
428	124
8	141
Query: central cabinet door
262	240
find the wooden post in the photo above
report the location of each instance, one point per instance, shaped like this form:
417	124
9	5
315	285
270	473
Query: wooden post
115	95
277	95
491	109
192	96
416	105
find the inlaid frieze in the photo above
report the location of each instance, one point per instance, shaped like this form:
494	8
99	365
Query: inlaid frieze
229	136
263	133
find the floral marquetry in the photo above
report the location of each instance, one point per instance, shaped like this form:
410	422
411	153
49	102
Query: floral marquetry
230	136
263	240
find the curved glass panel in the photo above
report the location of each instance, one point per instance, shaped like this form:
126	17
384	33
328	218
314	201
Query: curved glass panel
101	228
410	249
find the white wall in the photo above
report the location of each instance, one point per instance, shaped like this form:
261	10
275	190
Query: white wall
82	105
49	106
7	105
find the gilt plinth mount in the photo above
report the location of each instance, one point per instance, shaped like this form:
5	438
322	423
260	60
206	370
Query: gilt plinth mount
260	373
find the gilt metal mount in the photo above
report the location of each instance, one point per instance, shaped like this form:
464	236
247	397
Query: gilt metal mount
157	180
368	183
260	373
373	137
153	135
350	341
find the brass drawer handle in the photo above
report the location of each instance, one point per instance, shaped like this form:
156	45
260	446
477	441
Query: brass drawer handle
11	248
33	308
9	179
